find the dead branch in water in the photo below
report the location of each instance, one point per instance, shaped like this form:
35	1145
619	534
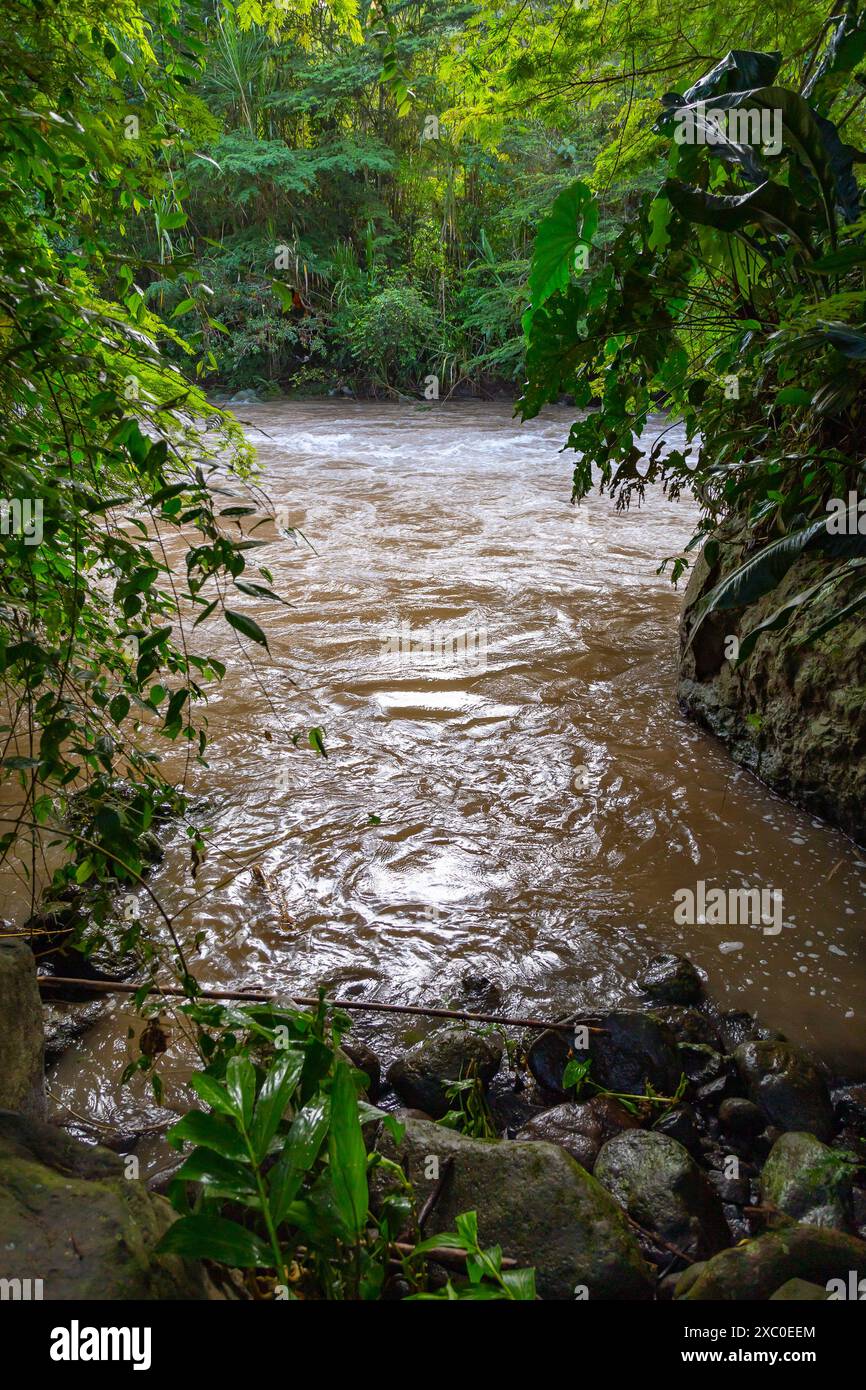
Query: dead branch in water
261	997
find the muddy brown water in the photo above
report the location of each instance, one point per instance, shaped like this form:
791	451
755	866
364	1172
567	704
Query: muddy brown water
510	790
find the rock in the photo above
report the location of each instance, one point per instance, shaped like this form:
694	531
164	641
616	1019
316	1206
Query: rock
799	1291
65	1023
532	1199
809	1182
850	1105
679	1124
688	1025
736	1026
809	742
701	1063
628	1050
787	1086
731	1191
479	994
741	1117
547	1057
70	1217
711	1095
365	1059
421	1076
755	1269
579	1129
671	979
738	1227
248	397
22	1045
664	1190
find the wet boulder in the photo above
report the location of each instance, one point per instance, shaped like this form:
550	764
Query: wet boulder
701	1063
421	1077
671	979
736	1027
661	1187
755	1269
787	1086
800	1291
741	1117
688	1025
533	1199
71	1218
579	1129
809	1181
626	1050
547	1057
631	1050
680	1123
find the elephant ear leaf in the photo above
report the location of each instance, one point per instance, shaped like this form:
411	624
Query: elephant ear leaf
739	69
844	51
762	572
771	205
570	223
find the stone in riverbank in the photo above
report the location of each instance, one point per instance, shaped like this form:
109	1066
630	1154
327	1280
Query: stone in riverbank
70	1218
627	1050
580	1129
533	1200
22	1046
758	1268
671	979
662	1188
422	1075
787	1086
809	1181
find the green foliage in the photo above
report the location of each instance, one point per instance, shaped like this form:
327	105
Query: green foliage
734	299
278	1179
392	336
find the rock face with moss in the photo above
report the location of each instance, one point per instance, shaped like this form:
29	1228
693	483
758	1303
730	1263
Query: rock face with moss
22	1045
71	1218
793	714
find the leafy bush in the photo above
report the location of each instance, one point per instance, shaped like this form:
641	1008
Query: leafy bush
734	299
391	336
277	1183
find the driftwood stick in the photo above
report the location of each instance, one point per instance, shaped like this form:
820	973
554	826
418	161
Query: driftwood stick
435	1193
267	997
447	1255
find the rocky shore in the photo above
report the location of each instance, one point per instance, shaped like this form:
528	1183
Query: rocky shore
665	1151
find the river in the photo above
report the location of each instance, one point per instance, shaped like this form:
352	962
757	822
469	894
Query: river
510	789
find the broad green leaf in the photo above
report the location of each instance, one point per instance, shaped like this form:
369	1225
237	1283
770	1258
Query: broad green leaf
206	1237
347	1155
213	1131
274	1096
246	625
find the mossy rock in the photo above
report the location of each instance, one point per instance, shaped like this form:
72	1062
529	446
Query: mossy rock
70	1218
533	1199
757	1268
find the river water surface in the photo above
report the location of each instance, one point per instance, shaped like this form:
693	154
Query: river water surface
517	798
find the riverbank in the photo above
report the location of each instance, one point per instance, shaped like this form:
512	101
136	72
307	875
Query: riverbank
628	1155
